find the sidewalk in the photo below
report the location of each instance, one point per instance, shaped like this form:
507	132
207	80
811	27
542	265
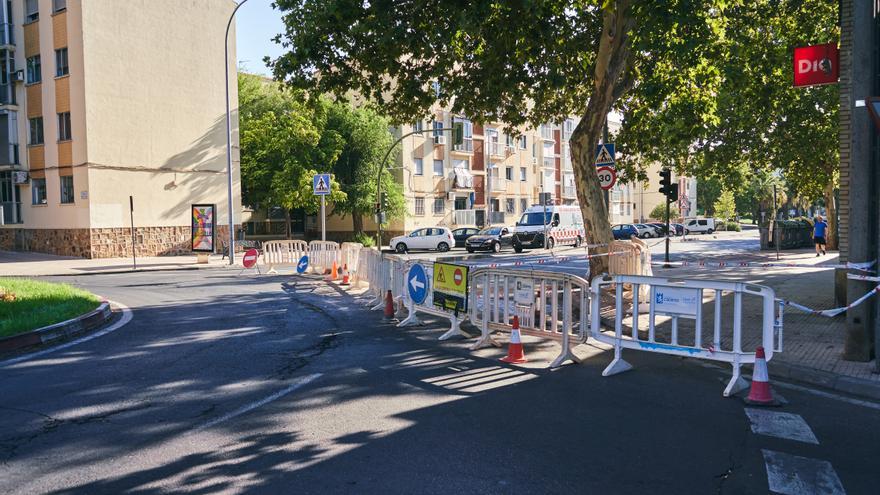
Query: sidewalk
16	264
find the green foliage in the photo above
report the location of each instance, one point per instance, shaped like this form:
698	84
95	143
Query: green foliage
659	212
725	206
36	304
366	240
733	226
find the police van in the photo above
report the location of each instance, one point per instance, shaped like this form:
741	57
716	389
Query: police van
564	226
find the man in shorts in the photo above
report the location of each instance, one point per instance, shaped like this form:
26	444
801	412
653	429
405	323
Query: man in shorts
819	228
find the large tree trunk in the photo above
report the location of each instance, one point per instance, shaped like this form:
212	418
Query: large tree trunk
287	227
831	211
611	64
357	223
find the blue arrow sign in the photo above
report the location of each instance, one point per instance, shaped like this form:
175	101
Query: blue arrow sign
321	184
417	283
605	154
302	265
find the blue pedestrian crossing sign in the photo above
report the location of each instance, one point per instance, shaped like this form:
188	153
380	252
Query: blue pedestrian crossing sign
302	265
605	154
417	283
321	184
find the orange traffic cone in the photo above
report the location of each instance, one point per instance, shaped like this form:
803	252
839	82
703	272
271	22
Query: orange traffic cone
760	393
345	274
515	353
334	272
388	314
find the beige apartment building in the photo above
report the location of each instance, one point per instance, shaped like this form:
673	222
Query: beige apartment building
102	100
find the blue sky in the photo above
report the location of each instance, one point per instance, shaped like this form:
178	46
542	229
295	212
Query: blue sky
256	24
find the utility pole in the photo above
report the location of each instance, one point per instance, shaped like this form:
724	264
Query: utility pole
775	223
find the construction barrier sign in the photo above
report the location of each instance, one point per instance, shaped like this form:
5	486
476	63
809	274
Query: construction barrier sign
451	287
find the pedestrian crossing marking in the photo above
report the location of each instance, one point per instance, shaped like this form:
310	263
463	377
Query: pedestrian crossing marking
604	156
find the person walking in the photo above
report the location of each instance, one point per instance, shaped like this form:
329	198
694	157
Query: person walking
819	228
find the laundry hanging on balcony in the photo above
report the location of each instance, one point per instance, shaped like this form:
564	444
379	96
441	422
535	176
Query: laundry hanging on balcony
463	178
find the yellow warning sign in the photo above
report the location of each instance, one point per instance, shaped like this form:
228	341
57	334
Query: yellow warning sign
440	277
450	286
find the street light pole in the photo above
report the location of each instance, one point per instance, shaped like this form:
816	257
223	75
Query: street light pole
229	138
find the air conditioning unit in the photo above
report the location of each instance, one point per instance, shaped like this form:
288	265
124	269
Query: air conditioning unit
439	139
450	196
20	177
19	76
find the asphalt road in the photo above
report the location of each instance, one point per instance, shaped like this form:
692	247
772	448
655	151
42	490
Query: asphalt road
287	385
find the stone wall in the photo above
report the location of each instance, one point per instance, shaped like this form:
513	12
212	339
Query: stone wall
63	242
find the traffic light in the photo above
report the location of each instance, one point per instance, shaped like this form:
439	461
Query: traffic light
665	182
673	193
457	133
384	201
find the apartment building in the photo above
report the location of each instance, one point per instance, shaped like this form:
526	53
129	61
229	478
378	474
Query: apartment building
644	197
103	100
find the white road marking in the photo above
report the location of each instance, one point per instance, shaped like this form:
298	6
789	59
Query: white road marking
794	475
781	425
262	402
126	317
828	395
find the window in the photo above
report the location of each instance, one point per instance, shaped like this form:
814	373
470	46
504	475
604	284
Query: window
438	167
522	174
31	10
34	69
523	144
436	86
508	140
508	173
419	166
534	150
510	206
61	68
418	126
64	126
35	136
420	207
439	206
67	189
59	5
437	129
523	205
38	191
460	164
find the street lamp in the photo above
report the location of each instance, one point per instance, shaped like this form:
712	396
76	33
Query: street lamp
229	137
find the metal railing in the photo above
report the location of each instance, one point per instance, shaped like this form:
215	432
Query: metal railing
465	217
497	184
549	162
496	149
568	191
496	217
466	145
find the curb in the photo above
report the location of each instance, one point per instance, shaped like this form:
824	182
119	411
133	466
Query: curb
58	331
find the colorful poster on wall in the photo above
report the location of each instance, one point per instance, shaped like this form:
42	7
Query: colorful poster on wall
203	218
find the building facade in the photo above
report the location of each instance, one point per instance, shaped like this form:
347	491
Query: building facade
102	101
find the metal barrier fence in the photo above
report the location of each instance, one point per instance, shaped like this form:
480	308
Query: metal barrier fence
370	271
349	255
552	305
683	300
322	254
282	253
427	306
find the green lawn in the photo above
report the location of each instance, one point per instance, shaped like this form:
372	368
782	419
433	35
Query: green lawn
38	304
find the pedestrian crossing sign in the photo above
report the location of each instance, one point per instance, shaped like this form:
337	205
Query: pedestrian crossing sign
321	184
605	154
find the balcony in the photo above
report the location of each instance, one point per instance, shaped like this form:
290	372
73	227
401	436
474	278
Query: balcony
496	149
467	146
547	133
6	34
569	192
549	163
496	217
497	184
464	217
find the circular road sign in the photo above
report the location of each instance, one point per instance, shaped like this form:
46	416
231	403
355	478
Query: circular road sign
607	177
250	258
457	277
302	265
417	283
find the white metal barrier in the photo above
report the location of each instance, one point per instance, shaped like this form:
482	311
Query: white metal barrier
371	273
282	253
683	300
427	306
551	305
322	254
349	255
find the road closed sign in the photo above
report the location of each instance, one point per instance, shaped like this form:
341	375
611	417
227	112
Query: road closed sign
249	260
450	286
607	177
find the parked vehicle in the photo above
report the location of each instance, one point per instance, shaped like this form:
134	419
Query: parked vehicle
677	228
624	231
699	225
659	227
490	239
439	238
645	231
563	224
462	234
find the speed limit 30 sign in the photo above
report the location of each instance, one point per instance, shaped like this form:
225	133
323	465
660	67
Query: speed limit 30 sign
607	177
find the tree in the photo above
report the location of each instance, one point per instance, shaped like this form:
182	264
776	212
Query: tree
725	207
659	212
510	61
283	144
708	190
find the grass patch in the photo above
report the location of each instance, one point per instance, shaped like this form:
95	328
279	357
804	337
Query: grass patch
36	304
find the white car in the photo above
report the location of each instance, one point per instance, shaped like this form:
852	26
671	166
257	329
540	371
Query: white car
439	238
645	231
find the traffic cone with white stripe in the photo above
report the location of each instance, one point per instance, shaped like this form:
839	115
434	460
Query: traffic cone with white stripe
515	354
344	275
760	393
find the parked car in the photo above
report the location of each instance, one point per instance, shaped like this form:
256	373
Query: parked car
678	229
462	235
490	239
699	225
439	238
645	231
624	231
659	227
